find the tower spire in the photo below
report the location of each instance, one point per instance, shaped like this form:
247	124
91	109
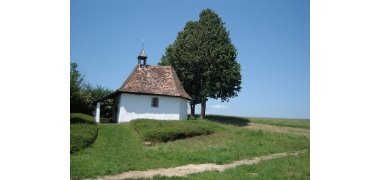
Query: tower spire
142	56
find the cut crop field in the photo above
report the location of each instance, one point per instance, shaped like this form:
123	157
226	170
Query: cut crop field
297	123
119	148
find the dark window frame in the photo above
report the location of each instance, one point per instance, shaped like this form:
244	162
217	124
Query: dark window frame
155	102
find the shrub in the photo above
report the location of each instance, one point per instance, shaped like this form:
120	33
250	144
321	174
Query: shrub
81	118
83	131
163	131
82	136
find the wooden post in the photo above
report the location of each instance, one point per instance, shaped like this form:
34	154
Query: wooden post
97	112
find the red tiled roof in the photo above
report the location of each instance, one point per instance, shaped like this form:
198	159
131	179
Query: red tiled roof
159	80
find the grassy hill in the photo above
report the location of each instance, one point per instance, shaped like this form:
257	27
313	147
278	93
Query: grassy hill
119	148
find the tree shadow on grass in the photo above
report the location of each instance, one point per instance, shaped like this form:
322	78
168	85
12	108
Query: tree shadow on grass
229	120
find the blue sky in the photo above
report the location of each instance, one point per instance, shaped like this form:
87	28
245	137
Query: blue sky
271	36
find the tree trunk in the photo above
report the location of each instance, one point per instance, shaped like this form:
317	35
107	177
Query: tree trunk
192	107
203	108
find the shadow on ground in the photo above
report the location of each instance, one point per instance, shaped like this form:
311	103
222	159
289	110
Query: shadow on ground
229	120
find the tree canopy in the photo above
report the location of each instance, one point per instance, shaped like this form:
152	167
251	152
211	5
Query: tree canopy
83	94
205	60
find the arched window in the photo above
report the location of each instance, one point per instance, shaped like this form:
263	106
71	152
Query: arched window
155	102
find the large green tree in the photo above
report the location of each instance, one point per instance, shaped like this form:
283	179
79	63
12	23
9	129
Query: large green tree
181	55
76	86
205	60
83	94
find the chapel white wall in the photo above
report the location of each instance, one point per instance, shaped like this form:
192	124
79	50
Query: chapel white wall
135	106
183	109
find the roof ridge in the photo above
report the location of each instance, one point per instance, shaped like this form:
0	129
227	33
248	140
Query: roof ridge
128	79
159	66
179	86
174	80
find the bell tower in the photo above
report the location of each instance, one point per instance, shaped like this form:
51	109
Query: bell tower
142	57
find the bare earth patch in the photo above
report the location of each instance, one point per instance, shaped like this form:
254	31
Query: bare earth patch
279	129
195	168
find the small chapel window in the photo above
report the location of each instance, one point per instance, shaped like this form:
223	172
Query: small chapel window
155	102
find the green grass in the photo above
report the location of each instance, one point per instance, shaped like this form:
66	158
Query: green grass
163	131
118	148
298	123
83	131
291	167
228	120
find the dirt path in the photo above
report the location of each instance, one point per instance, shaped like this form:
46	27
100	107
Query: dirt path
195	168
279	129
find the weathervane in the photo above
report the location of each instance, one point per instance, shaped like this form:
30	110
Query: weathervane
143	43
